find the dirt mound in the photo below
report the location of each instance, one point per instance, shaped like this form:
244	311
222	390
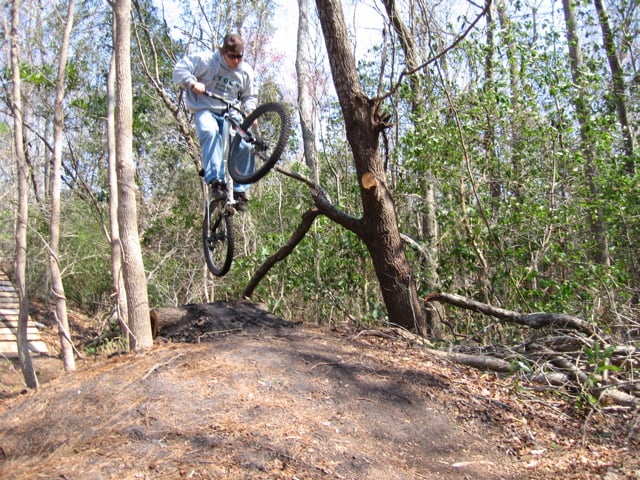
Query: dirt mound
274	400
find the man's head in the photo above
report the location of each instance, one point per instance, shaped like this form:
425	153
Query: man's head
232	49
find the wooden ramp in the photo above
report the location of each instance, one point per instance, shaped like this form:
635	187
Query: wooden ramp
9	312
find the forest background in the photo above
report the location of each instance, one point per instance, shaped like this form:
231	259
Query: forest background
514	182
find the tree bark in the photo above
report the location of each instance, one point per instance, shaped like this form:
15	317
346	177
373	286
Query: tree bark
304	82
298	235
24	355
617	76
596	218
117	279
436	313
378	227
533	320
135	282
57	285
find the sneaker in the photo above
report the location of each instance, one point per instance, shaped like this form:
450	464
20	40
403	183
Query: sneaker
218	190
242	202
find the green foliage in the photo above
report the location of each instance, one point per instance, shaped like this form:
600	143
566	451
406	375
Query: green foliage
502	150
85	256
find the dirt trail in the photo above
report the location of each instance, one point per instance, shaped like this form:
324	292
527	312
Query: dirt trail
283	402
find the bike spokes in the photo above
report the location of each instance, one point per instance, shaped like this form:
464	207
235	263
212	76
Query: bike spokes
269	124
217	238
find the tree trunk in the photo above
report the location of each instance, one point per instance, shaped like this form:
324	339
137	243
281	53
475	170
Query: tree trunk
596	215
116	248
135	282
304	82
378	227
57	285
617	75
304	70
23	206
435	312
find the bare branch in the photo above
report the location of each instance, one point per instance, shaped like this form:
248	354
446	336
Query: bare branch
298	235
534	320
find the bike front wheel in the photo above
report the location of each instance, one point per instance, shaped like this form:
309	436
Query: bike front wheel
270	126
217	238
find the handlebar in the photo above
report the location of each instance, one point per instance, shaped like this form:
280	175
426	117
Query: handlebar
235	124
229	105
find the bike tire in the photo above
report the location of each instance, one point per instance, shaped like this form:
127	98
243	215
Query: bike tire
271	125
217	239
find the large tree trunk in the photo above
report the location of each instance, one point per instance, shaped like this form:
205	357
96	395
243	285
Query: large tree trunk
23	206
57	285
135	281
116	248
378	227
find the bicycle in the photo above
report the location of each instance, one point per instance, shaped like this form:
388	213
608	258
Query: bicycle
266	131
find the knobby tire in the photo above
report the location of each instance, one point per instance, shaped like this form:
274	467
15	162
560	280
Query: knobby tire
272	131
217	239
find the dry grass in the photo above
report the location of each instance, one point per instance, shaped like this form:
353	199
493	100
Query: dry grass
293	402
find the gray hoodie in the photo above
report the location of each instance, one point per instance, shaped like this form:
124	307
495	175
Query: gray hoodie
208	67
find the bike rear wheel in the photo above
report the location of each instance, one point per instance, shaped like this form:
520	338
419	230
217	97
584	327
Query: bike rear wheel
217	238
270	125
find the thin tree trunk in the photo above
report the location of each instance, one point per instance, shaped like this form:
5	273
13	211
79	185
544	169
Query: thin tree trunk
116	247
430	234
57	285
305	105
596	215
617	76
489	138
378	228
24	355
304	83
135	282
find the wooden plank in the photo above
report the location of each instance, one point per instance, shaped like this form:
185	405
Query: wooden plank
32	334
9	315
11	323
11	349
13	328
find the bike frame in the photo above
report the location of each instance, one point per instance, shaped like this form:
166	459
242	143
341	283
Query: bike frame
218	227
230	127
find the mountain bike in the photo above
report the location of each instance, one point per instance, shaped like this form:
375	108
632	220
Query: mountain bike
265	131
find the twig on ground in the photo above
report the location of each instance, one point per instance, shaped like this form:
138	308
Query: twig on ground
160	365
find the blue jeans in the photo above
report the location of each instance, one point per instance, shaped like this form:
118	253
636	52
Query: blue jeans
208	126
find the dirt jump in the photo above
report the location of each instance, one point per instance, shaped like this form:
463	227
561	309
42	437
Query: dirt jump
230	391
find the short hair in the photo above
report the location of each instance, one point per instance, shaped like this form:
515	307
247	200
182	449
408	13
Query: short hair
233	43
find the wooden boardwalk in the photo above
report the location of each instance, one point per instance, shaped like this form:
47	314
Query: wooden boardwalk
9	312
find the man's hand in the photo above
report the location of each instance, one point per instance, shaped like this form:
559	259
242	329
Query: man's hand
198	87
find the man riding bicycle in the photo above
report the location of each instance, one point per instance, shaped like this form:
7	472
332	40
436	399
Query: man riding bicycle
224	73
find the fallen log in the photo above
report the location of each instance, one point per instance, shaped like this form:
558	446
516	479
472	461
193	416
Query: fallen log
533	320
480	362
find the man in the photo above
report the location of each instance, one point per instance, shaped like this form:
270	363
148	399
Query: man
224	73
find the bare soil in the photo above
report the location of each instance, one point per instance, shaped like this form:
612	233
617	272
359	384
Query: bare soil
247	395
